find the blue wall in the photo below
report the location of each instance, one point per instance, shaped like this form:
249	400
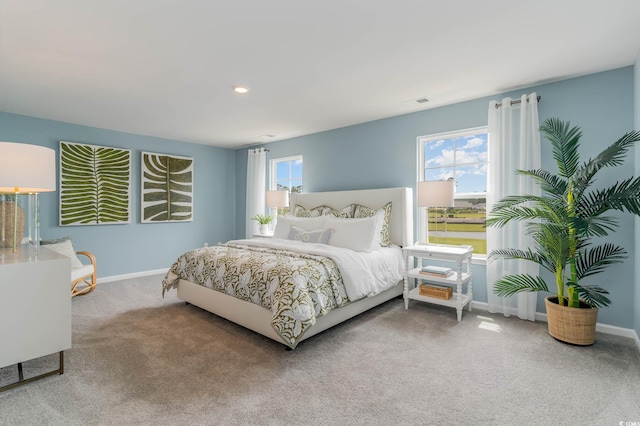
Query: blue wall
382	153
136	247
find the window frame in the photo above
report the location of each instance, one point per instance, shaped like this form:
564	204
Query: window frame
421	142
273	171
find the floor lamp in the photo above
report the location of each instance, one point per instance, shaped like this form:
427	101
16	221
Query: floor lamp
435	194
277	200
26	170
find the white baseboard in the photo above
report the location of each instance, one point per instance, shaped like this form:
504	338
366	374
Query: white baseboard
102	280
602	328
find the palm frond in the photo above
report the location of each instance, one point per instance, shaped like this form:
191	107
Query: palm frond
593	295
502	216
548	182
613	155
510	253
595	226
529	255
624	195
513	208
594	260
512	284
565	143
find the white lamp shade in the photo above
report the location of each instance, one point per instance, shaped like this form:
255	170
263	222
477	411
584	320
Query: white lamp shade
435	193
277	199
26	168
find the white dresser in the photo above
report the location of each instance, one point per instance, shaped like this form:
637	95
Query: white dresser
35	306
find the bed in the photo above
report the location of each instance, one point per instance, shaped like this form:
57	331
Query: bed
251	314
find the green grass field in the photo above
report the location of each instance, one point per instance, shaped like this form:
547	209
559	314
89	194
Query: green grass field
479	245
459	227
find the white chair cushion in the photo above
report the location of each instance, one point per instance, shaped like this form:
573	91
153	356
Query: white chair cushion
81	272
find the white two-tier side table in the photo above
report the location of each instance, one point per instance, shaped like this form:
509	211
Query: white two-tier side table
417	256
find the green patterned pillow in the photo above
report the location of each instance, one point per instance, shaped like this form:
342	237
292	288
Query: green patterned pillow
345	212
364	211
300	211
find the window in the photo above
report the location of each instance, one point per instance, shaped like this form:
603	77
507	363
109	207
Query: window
461	156
286	174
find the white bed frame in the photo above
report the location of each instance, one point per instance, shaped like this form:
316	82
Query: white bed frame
258	319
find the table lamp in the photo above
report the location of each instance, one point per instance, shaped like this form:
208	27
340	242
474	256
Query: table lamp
26	171
437	194
277	200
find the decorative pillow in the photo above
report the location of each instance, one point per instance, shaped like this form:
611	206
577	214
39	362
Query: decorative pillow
319	236
300	211
306	223
323	210
55	240
354	234
65	248
364	211
345	212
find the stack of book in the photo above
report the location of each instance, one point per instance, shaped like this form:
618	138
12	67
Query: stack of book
436	271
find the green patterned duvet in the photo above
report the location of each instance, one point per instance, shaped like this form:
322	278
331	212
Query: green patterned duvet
296	287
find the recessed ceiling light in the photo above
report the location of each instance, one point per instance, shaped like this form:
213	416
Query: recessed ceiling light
268	136
240	89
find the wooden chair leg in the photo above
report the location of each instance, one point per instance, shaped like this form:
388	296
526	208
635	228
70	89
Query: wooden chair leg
90	285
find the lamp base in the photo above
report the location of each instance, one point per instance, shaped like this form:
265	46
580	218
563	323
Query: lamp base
11	227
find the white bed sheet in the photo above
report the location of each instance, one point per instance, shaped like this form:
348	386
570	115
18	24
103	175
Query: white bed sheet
363	274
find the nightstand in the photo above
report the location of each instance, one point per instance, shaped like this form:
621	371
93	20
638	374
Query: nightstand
267	235
457	256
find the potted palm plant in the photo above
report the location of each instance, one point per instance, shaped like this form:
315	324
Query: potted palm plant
264	220
563	223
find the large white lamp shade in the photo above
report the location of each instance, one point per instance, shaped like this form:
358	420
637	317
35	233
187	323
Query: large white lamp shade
435	193
26	169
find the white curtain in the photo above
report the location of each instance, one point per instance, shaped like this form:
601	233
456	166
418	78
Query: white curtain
514	144
256	182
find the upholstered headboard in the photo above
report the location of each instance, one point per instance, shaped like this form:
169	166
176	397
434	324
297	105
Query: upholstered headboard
401	212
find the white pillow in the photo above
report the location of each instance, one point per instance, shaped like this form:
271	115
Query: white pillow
318	236
283	225
354	234
65	248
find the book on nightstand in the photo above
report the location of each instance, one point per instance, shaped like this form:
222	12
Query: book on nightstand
436	271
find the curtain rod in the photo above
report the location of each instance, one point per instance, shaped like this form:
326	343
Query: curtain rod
517	101
256	149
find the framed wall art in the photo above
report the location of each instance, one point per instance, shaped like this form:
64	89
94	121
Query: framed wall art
95	184
167	188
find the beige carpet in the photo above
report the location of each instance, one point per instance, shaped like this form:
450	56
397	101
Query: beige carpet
141	359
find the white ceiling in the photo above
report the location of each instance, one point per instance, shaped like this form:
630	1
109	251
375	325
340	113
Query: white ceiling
166	67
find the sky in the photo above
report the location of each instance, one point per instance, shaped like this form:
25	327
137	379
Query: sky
469	156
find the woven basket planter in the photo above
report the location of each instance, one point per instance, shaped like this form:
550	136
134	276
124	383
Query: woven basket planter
571	325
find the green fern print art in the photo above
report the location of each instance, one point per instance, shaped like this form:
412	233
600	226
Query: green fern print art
94	184
167	188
